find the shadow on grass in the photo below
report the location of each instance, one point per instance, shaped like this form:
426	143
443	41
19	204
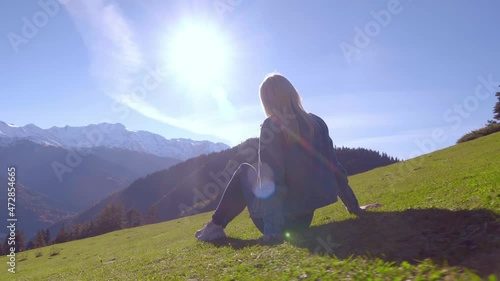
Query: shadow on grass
234	243
466	238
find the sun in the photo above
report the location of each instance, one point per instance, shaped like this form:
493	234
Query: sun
199	55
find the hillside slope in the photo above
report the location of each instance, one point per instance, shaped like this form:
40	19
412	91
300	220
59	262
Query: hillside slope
34	210
440	220
79	179
51	196
196	185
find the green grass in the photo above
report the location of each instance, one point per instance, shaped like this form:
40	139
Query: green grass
440	221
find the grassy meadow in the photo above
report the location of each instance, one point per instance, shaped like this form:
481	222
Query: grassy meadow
440	220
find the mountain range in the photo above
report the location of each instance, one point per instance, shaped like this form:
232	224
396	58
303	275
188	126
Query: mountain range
109	136
63	171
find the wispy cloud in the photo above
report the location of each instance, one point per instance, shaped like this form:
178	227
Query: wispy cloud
119	65
211	123
115	57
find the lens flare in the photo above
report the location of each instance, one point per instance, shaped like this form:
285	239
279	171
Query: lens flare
266	189
199	54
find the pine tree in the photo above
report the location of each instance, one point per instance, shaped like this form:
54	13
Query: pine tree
31	245
88	229
491	123
39	239
496	110
20	241
6	246
111	218
152	216
3	247
62	236
75	232
46	236
134	218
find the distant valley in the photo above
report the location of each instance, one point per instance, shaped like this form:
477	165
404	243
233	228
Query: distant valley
63	178
196	185
57	178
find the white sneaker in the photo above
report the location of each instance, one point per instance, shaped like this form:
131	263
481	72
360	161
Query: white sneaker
210	232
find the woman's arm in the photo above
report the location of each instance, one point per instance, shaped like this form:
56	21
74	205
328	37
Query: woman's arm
271	184
344	191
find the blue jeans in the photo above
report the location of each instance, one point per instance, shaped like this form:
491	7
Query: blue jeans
238	195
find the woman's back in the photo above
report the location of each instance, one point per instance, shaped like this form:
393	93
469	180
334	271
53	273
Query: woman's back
302	167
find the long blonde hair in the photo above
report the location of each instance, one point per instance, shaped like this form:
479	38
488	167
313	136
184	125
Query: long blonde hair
280	98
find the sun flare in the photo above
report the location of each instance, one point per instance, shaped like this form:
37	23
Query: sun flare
199	55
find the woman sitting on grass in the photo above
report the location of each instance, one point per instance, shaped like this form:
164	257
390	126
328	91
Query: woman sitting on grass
296	174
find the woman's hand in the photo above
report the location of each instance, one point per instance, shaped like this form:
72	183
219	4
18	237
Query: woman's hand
370	206
363	209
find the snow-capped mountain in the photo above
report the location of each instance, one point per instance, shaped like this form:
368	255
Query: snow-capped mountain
110	136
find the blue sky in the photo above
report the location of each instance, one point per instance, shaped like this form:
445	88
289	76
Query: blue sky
403	77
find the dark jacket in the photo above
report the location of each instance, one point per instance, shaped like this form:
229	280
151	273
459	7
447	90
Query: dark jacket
298	177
